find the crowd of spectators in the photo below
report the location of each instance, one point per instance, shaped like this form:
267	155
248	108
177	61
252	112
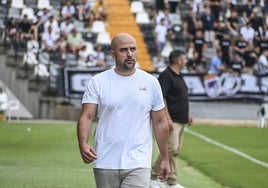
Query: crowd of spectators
220	36
54	34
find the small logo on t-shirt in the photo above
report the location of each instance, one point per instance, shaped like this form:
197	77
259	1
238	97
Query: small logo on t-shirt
142	89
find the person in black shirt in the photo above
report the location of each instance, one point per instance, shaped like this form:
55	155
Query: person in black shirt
199	43
263	45
215	6
175	94
237	64
226	47
241	45
257	22
25	28
196	64
232	24
189	25
251	58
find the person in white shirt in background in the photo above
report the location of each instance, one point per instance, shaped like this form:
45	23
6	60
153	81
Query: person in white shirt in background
53	23
3	103
68	10
160	32
248	32
66	26
263	63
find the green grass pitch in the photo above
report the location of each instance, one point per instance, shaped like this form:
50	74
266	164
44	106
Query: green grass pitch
46	155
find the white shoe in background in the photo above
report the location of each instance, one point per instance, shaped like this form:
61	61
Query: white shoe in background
176	186
154	184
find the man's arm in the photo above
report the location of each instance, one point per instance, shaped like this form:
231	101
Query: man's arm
84	126
170	121
161	130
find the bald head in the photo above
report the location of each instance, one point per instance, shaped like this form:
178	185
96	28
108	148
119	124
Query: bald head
121	38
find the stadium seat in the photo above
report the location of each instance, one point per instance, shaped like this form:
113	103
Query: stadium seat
263	115
167	49
13	106
98	27
17	4
14	13
31	3
103	38
29	12
136	6
142	18
44	4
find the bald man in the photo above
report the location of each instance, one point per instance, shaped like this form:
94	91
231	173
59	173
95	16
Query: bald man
128	104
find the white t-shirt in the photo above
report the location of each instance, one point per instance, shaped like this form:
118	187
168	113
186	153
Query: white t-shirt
123	138
161	32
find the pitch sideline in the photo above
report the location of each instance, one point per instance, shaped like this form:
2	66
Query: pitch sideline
235	151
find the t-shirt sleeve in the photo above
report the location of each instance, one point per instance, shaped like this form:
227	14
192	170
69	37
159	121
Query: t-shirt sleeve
91	93
158	102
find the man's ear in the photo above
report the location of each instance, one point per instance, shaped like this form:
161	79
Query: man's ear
112	53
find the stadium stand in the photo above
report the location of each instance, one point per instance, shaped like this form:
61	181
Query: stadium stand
137	17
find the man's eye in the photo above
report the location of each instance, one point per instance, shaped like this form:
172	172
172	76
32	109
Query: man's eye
133	49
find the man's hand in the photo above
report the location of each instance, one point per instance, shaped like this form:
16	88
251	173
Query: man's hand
190	120
165	171
88	153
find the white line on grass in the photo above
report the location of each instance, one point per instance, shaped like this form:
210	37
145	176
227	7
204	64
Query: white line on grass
246	156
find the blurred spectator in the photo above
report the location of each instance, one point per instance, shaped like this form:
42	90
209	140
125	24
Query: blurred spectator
196	64
197	6
68	10
208	24
189	26
164	14
199	26
99	56
24	28
241	45
262	44
12	34
219	30
88	58
44	15
3	102
82	56
37	28
32	45
226	47
49	40
232	24
216	66
30	57
251	58
247	10
53	23
85	12
66	26
159	4
74	41
199	43
236	64
248	32
215	7
263	63
173	4
62	46
160	32
100	9
257	22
